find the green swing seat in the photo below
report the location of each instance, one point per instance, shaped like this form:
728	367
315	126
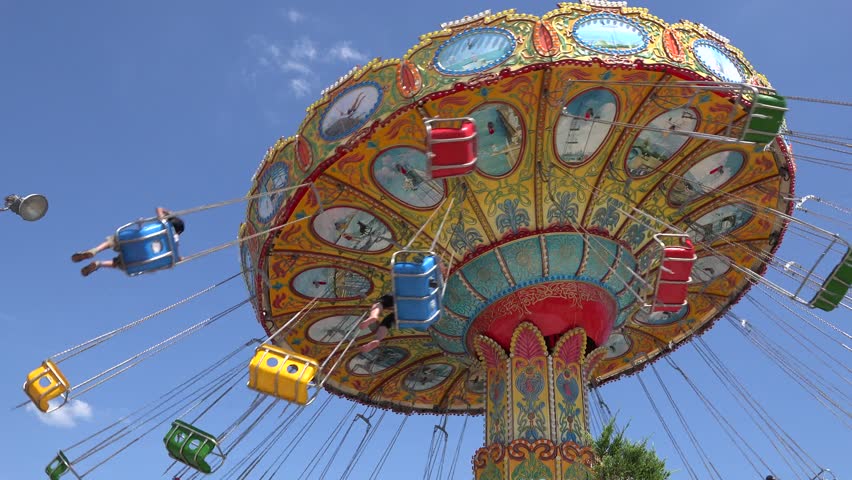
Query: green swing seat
767	116
191	446
58	467
836	286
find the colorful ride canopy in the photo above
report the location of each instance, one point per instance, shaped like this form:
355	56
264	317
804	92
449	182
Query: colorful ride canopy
588	130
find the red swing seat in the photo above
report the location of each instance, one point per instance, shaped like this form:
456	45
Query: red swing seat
674	275
451	146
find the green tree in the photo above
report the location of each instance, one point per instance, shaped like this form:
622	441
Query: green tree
620	459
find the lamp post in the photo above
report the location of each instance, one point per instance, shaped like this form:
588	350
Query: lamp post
30	208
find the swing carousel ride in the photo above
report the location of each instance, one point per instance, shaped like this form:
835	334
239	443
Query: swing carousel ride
554	202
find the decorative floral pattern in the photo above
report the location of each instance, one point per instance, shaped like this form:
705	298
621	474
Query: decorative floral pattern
523	259
485	276
564	210
464	238
531	421
569	415
512	218
607	217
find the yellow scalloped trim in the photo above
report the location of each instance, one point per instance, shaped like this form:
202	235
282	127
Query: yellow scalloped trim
587	362
482	339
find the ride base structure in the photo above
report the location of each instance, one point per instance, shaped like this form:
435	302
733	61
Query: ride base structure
578	186
536	425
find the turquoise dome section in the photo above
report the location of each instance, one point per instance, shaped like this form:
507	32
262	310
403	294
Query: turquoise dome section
516	264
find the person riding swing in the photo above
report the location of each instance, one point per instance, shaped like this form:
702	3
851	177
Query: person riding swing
112	242
384	327
390	320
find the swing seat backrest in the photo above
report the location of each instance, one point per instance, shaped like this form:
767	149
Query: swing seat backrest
417	288
674	275
451	150
44	384
58	467
677	263
767	116
190	445
146	246
836	286
282	373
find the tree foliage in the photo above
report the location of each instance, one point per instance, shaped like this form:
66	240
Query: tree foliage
621	459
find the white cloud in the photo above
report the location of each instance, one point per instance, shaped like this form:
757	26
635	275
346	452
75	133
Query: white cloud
294	15
272	50
344	51
303	48
65	417
272	55
297	61
300	87
294	66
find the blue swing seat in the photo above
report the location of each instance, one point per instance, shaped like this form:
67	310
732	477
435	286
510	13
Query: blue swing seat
417	289
146	246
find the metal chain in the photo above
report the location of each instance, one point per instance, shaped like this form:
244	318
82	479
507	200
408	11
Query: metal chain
821	147
840	103
150	351
73	351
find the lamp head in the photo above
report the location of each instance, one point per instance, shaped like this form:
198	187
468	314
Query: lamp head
30	208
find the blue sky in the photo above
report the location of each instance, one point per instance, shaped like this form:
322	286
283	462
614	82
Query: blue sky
113	108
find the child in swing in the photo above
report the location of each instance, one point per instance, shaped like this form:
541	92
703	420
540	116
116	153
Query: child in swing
112	243
384	327
387	323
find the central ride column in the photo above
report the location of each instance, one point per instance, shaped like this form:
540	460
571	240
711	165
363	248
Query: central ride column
535	414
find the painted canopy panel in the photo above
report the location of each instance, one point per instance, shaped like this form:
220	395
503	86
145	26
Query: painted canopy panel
556	164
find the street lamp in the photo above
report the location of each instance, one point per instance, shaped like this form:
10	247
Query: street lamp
30	208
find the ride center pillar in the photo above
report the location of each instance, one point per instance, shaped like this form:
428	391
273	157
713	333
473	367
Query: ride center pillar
535	413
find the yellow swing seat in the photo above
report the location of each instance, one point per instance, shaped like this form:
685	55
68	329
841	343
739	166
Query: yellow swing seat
282	373
44	384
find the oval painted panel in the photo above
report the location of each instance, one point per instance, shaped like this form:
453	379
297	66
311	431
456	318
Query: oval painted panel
710	268
331	283
660	318
350	110
718	222
249	267
474	50
303	153
334	328
353	229
706	176
499	137
427	376
617	345
375	361
545	40
612	34
401	173
584	125
408	79
276	177
671	42
655	146
475	382
718	61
